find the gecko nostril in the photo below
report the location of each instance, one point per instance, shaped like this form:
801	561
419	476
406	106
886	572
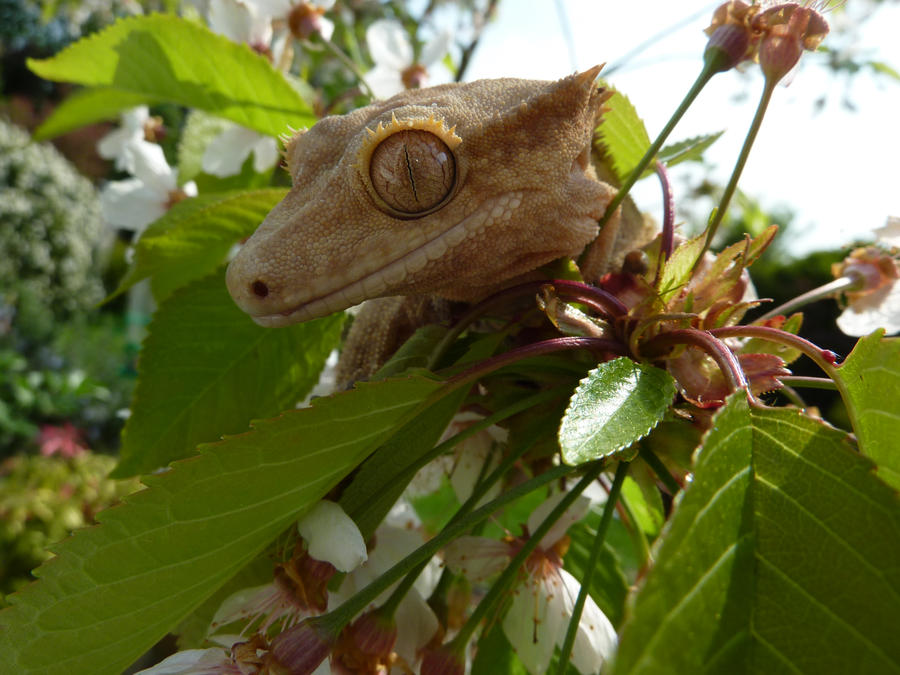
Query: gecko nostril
259	288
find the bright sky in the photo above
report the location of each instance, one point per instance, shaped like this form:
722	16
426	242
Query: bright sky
838	169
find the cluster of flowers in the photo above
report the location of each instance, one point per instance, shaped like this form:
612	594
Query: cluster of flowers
405	634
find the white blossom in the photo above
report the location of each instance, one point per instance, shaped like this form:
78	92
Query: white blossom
395	66
134	203
242	21
116	144
195	662
227	152
332	536
877	304
542	604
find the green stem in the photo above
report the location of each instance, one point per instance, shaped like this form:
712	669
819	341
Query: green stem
638	538
710	68
722	208
348	62
846	283
479	491
342	615
661	471
509	574
605	520
809	382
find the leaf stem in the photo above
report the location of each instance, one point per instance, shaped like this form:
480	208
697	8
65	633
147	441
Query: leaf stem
710	68
599	537
722	208
824	358
809	382
481	487
668	226
343	614
661	470
509	574
848	282
709	343
534	349
601	301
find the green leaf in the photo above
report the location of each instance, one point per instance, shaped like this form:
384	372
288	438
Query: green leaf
384	476
688	150
194	237
867	375
414	353
206	370
781	557
623	135
89	106
677	270
619	402
114	590
495	656
167	58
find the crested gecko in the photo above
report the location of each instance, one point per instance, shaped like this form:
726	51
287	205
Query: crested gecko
453	191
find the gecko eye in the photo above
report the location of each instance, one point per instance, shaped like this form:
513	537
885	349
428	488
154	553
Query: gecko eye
413	171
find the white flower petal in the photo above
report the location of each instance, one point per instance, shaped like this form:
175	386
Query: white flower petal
151	167
531	627
131	131
477	558
389	44
227	152
888	235
572	515
877	309
417	625
265	153
384	82
129	204
332	536
471	454
190	661
435	49
326	28
595	640
230	18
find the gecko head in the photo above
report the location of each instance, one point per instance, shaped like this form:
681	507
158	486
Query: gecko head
454	191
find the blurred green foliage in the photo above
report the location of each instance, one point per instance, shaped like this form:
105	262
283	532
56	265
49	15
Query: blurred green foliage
42	499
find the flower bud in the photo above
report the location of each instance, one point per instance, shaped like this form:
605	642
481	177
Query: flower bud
787	30
442	661
731	38
304	20
727	47
299	650
366	645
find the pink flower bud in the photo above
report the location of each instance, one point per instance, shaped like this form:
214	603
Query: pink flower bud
299	650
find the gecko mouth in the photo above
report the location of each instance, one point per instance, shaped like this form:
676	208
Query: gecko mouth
389	277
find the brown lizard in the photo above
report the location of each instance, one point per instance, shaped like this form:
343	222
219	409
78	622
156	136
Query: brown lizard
453	191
